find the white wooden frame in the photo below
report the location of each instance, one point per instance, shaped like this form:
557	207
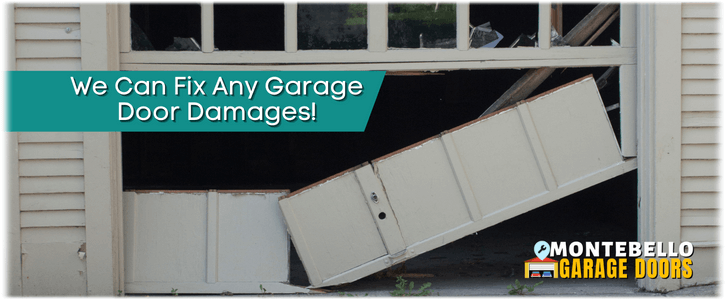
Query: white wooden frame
102	160
659	129
378	54
638	119
379	57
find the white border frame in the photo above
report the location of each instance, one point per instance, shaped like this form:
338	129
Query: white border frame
659	129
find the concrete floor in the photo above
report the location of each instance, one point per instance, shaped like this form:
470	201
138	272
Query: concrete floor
453	287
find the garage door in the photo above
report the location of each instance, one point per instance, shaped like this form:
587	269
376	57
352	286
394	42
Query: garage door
368	218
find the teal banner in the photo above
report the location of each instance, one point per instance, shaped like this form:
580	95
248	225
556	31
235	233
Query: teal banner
289	101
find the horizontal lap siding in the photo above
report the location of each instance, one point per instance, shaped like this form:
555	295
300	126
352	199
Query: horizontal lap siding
50	164
43	41
700	117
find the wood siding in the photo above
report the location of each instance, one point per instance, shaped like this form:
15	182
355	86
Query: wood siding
50	165
700	118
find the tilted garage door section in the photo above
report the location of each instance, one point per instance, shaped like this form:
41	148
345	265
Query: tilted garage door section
439	190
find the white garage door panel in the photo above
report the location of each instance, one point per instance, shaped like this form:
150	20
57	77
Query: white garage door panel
496	154
171	228
345	232
424	196
205	242
245	233
455	184
582	128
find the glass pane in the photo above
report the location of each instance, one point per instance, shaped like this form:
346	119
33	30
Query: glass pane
511	21
249	26
176	27
332	26
422	25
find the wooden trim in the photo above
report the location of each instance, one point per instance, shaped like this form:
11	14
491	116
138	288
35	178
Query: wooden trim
627	24
168	191
545	23
124	30
464	65
628	110
15	266
290	27
377	27
207	27
556	17
117	196
514	56
659	150
253	191
102	194
462	26
99	42
112	38
319	182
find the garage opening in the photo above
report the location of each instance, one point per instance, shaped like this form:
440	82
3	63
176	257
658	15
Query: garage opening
410	107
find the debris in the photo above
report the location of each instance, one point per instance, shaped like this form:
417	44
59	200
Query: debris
612	107
184	44
555	38
483	36
533	78
602	81
139	40
525	41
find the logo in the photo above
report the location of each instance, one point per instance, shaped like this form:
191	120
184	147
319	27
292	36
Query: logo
541	266
583	260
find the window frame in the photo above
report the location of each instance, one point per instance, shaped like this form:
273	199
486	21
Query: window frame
379	57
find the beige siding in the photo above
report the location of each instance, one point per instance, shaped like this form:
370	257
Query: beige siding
50	164
43	41
700	119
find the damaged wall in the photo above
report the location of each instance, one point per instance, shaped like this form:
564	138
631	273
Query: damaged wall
699	128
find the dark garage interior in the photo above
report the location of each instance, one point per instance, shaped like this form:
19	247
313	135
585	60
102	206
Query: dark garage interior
408	109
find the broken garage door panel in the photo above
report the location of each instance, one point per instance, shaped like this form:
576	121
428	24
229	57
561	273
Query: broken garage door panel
434	192
205	242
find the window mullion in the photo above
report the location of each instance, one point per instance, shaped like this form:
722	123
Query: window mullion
290	27
462	26
377	27
627	25
545	23
124	25
207	27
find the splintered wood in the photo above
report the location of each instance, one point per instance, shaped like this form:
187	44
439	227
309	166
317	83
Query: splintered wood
369	218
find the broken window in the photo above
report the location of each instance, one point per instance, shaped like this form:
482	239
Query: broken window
422	25
174	27
516	23
291	27
607	34
332	26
